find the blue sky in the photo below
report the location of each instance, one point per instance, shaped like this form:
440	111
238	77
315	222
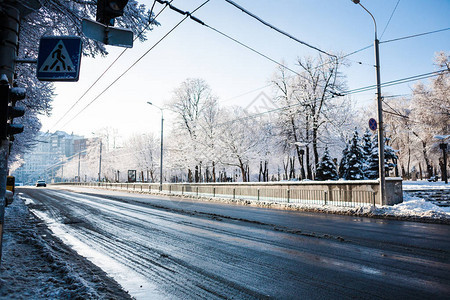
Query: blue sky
195	51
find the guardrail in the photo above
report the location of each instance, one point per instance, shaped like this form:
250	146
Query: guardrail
345	193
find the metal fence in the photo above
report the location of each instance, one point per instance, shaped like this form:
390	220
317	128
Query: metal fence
272	193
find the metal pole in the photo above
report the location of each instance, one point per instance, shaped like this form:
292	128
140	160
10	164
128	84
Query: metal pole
161	163
9	28
79	158
380	125
100	163
443	146
380	112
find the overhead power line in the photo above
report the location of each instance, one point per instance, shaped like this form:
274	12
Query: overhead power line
345	93
136	62
276	29
390	18
227	36
415	35
151	20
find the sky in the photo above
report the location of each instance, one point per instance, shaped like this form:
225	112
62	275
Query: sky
236	74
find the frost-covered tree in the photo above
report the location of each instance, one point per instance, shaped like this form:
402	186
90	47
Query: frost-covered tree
354	160
196	112
343	165
366	143
240	139
326	170
430	111
390	157
311	104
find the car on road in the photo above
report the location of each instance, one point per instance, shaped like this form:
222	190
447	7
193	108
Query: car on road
41	183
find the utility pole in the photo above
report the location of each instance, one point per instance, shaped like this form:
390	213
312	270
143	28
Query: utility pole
380	113
79	158
443	147
100	162
9	28
162	146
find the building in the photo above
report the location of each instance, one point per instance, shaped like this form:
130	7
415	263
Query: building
45	159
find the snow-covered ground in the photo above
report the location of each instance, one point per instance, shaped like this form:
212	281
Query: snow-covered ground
425	185
35	265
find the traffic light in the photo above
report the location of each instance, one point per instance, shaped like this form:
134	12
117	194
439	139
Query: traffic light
107	10
9	110
15	94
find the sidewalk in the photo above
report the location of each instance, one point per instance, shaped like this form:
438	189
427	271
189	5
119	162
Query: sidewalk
36	265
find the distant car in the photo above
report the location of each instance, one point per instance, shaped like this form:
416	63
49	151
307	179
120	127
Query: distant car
41	183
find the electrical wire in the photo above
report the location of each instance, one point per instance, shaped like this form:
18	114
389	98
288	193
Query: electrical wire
414	35
227	36
355	91
109	67
251	49
136	62
390	18
276	29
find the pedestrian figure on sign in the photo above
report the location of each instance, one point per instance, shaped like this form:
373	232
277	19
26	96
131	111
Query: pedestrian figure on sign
59	58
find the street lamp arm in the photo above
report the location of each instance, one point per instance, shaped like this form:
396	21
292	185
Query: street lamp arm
373	18
161	109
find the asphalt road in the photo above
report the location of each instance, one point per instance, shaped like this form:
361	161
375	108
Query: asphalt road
190	249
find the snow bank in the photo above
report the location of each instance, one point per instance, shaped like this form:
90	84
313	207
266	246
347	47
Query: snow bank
424	185
35	265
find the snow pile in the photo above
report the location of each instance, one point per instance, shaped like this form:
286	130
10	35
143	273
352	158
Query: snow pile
424	185
35	265
416	208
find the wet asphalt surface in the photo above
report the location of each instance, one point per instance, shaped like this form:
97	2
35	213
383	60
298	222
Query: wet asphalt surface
190	249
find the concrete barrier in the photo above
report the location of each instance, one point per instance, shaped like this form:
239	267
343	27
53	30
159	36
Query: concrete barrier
336	193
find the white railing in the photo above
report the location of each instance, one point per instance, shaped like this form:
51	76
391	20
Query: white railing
346	193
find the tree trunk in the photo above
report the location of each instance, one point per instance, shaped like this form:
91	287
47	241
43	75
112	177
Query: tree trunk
243	169
266	171
314	145
260	171
308	165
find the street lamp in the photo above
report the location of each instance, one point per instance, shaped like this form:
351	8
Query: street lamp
380	112
161	163
99	161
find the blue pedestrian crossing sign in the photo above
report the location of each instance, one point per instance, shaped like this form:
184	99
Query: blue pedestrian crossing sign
59	58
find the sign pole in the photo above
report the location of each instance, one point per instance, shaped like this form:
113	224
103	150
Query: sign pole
9	27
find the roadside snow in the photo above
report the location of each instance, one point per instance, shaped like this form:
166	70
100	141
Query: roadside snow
35	265
424	185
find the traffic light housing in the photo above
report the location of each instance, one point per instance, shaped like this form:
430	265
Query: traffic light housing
9	110
107	10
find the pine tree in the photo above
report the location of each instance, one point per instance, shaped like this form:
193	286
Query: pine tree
355	159
326	170
371	172
372	163
343	166
366	144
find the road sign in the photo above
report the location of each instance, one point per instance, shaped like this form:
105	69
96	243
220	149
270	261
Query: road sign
106	34
59	58
373	124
